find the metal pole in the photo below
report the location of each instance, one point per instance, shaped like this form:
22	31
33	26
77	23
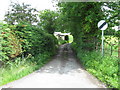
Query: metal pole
102	42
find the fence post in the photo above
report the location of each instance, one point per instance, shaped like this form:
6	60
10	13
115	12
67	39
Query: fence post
119	48
111	50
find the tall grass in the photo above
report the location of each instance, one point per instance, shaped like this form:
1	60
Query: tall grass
22	67
104	68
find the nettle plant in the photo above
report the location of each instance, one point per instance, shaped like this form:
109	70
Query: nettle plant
9	44
5	47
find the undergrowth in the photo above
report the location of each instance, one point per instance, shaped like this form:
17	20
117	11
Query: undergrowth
104	68
22	67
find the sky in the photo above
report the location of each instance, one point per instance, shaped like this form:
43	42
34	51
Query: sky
38	4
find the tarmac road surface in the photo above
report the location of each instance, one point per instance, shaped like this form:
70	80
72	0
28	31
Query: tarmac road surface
64	71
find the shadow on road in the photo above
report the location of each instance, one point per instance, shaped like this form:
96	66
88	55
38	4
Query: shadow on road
63	71
63	63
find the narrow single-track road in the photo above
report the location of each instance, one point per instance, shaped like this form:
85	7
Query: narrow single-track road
64	71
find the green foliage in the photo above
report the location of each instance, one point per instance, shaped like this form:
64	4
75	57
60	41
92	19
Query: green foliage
61	42
111	41
24	39
10	46
4	45
34	40
22	67
112	12
48	20
104	68
21	13
25	48
81	20
70	38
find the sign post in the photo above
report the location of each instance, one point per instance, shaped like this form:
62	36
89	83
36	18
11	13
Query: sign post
102	25
102	42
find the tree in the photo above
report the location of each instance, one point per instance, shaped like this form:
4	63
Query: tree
81	20
113	13
21	13
48	20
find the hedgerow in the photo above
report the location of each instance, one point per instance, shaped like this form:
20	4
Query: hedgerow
10	46
34	40
24	39
24	48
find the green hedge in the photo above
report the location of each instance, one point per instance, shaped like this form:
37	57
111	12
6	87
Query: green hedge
24	39
35	40
24	48
10	46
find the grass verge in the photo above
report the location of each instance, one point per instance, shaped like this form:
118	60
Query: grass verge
104	68
22	67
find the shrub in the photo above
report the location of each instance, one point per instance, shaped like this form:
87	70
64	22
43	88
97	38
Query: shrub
22	67
24	39
10	46
34	40
104	68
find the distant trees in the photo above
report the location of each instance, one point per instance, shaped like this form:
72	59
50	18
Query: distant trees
21	13
21	37
81	20
48	20
113	14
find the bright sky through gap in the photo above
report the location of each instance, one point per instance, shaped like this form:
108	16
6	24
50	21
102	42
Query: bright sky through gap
38	4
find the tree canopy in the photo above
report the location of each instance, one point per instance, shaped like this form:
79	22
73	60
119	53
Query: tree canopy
48	20
21	13
81	20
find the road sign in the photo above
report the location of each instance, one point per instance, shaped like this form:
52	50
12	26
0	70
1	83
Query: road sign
102	25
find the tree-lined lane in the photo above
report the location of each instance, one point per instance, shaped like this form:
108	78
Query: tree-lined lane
64	71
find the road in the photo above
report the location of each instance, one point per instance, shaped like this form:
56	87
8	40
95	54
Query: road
64	71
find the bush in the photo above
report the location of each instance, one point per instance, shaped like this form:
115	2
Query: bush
9	45
104	68
24	48
22	67
24	39
34	40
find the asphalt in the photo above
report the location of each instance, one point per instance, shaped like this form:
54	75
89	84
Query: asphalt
63	71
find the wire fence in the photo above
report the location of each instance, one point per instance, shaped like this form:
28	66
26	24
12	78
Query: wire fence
109	49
